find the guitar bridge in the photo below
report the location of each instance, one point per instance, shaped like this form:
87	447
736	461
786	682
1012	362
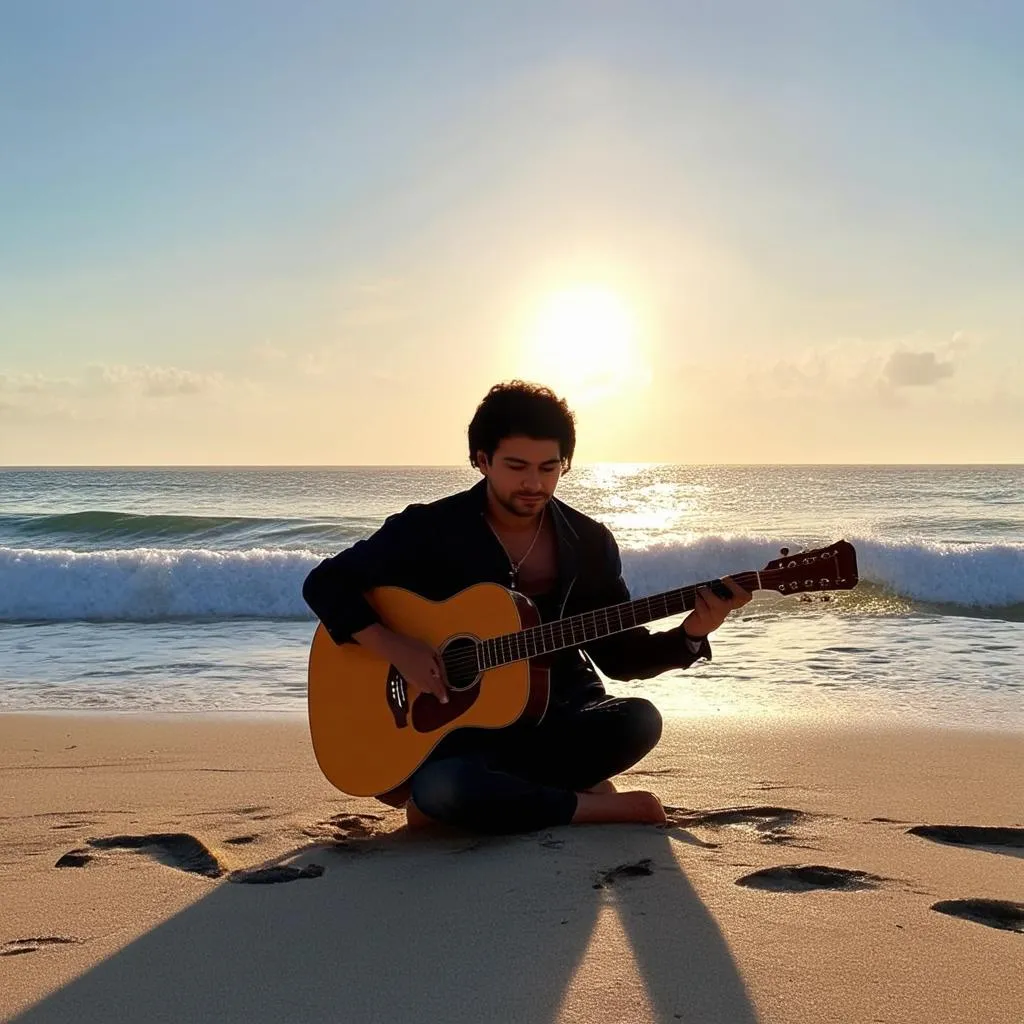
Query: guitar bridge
398	697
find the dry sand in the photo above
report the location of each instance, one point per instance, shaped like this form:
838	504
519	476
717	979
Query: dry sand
536	928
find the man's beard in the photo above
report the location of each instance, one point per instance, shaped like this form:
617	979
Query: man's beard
510	506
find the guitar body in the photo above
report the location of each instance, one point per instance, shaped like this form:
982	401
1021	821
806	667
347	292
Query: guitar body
371	729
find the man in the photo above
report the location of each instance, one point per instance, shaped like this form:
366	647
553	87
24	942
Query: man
510	529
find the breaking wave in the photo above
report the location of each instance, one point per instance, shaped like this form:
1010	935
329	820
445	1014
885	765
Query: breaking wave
145	584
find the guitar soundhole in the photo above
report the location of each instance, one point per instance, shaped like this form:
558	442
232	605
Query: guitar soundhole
461	663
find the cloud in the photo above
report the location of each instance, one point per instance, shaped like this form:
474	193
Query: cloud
963	341
100	390
31	383
826	371
157	381
883	371
35	395
151	380
915	369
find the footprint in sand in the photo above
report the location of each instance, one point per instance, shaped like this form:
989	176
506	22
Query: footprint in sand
175	849
983	837
1001	914
74	859
342	827
772	824
274	874
185	852
807	877
635	869
16	947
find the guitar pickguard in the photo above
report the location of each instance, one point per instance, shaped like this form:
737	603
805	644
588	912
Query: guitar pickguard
428	713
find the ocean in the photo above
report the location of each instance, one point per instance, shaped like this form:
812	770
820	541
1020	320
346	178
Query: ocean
180	589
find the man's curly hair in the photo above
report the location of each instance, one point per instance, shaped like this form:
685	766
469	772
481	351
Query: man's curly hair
520	409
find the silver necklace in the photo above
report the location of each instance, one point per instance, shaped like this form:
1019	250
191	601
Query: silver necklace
513	576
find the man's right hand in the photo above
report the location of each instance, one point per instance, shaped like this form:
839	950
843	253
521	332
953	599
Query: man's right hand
417	662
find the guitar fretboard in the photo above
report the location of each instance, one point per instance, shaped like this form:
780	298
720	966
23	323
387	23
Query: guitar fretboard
587	626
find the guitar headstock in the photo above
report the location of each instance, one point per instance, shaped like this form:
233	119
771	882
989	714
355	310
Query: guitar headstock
830	568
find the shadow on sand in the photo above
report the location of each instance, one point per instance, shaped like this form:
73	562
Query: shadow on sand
441	930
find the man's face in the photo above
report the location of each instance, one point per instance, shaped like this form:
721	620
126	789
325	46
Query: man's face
522	474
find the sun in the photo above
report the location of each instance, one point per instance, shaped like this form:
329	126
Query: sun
584	341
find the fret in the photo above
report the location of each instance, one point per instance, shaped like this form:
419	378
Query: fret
576	630
592	625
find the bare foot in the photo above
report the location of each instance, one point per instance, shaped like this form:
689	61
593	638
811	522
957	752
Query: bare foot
607	786
637	806
416	819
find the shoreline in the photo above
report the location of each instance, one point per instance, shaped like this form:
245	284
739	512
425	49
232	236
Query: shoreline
616	923
848	719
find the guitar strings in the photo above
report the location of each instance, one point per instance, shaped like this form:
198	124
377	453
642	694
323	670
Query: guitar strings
469	660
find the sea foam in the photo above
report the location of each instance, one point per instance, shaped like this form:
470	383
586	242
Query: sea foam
154	584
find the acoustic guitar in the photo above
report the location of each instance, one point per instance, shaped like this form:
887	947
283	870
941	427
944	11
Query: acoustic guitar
371	729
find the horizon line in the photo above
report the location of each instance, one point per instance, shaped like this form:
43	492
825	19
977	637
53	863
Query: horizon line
442	465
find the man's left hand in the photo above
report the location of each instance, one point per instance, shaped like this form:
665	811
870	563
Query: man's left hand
710	611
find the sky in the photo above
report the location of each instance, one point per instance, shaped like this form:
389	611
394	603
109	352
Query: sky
316	233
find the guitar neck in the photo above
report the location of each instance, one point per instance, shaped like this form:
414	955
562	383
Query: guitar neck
581	629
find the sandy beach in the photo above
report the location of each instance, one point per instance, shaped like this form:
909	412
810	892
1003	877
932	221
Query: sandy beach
209	872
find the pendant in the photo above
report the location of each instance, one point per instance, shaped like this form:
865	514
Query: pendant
512	577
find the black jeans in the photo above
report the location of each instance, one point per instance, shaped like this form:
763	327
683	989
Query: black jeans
526	777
